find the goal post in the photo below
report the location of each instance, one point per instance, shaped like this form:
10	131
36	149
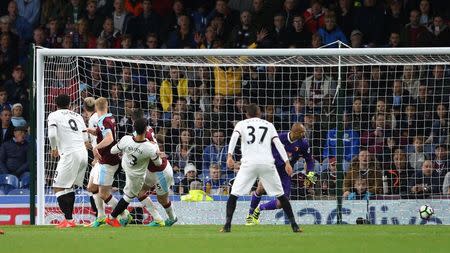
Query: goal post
317	87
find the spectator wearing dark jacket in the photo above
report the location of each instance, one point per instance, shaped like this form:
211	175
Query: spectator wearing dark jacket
16	87
6	134
425	182
243	35
13	154
146	23
369	19
398	174
436	35
344	16
299	37
413	30
183	37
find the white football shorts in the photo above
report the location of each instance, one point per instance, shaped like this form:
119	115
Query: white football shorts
71	169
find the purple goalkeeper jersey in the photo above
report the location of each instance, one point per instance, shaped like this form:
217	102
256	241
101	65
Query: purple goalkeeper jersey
294	150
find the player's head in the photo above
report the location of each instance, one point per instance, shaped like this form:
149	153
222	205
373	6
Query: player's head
253	111
89	104
298	131
137	114
62	101
101	104
140	125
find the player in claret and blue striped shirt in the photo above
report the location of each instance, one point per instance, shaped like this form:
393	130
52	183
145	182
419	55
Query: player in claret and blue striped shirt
296	145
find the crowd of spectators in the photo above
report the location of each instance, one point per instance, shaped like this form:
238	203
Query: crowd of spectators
396	118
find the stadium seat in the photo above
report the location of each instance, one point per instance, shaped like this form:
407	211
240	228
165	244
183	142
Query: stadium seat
8	182
25	180
2	193
19	192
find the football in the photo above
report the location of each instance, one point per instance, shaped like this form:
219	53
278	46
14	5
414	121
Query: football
426	212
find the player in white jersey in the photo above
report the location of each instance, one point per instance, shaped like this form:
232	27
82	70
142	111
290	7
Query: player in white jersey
257	136
160	177
137	152
67	140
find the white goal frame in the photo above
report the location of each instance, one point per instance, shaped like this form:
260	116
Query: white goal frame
43	52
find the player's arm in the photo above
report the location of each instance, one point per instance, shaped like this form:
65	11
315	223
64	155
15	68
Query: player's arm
53	136
107	140
154	155
280	148
116	149
87	142
232	146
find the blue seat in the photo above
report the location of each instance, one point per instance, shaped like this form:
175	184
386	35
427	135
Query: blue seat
19	192
8	182
25	180
2	193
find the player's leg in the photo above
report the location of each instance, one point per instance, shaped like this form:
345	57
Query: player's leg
165	180
286	184
256	198
66	199
151	208
64	179
94	189
241	186
103	179
272	183
150	180
106	179
168	207
133	185
90	194
92	200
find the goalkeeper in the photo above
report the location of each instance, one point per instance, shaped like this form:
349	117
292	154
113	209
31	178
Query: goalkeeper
296	145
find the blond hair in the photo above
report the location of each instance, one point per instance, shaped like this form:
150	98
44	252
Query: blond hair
101	103
89	104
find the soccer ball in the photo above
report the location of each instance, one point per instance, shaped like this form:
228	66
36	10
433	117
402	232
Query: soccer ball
426	212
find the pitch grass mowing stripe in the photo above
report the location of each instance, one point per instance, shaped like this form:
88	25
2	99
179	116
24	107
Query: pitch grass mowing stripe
198	239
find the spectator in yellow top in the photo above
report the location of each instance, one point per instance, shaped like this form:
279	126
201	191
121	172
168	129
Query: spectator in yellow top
173	88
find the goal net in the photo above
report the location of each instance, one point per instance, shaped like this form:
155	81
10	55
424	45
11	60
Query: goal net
389	107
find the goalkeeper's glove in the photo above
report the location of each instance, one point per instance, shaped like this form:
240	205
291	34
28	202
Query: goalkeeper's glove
311	177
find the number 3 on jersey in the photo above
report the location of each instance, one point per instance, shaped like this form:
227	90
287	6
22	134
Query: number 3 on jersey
251	134
133	160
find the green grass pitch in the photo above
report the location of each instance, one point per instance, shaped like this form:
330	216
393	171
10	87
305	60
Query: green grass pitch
258	239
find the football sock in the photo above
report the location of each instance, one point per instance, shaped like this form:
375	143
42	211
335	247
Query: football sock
99	203
169	210
93	206
231	206
120	207
254	202
287	208
70	203
65	202
111	201
271	205
148	204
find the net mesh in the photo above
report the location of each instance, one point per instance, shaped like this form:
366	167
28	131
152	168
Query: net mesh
395	111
